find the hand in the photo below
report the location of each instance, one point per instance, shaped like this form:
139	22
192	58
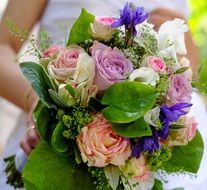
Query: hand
161	15
30	140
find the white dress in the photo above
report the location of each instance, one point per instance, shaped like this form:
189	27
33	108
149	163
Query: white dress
61	14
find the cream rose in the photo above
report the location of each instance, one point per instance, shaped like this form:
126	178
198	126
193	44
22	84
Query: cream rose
100	146
83	79
136	168
63	93
184	135
101	28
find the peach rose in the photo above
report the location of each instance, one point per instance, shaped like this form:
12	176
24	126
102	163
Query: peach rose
63	68
100	146
136	169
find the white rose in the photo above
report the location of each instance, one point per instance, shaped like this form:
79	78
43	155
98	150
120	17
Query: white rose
145	75
171	33
152	116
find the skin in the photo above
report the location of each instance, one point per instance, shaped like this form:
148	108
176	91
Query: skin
13	86
25	14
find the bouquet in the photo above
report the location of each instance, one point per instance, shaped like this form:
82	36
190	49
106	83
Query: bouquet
113	107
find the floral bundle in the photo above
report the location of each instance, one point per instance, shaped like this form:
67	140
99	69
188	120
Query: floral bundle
113	106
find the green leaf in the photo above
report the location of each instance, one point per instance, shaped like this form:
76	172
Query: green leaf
58	141
157	185
80	29
118	116
186	158
37	110
57	99
138	128
112	174
177	126
70	89
128	101
43	121
39	80
181	70
77	154
47	170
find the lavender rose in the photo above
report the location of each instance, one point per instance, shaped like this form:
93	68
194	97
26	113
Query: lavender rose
180	89
111	65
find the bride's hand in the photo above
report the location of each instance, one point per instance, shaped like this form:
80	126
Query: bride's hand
30	140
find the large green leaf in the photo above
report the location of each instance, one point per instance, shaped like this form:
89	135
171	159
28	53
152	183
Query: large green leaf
42	117
80	29
58	142
128	101
39	80
138	128
186	158
47	170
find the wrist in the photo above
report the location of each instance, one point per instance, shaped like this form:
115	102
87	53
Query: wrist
31	100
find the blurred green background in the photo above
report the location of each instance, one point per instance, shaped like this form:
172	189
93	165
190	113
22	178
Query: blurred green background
198	26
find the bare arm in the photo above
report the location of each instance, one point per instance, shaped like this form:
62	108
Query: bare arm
13	85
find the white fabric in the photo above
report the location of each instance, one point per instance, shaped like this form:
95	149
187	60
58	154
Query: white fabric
61	14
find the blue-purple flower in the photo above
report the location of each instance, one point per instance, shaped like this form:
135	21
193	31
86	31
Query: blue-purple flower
146	144
130	17
168	114
173	113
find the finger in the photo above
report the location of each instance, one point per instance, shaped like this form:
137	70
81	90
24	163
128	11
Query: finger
25	146
168	13
32	138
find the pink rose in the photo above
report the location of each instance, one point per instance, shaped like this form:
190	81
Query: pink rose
190	130
111	65
180	89
100	146
63	67
51	51
106	20
156	64
137	169
184	135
